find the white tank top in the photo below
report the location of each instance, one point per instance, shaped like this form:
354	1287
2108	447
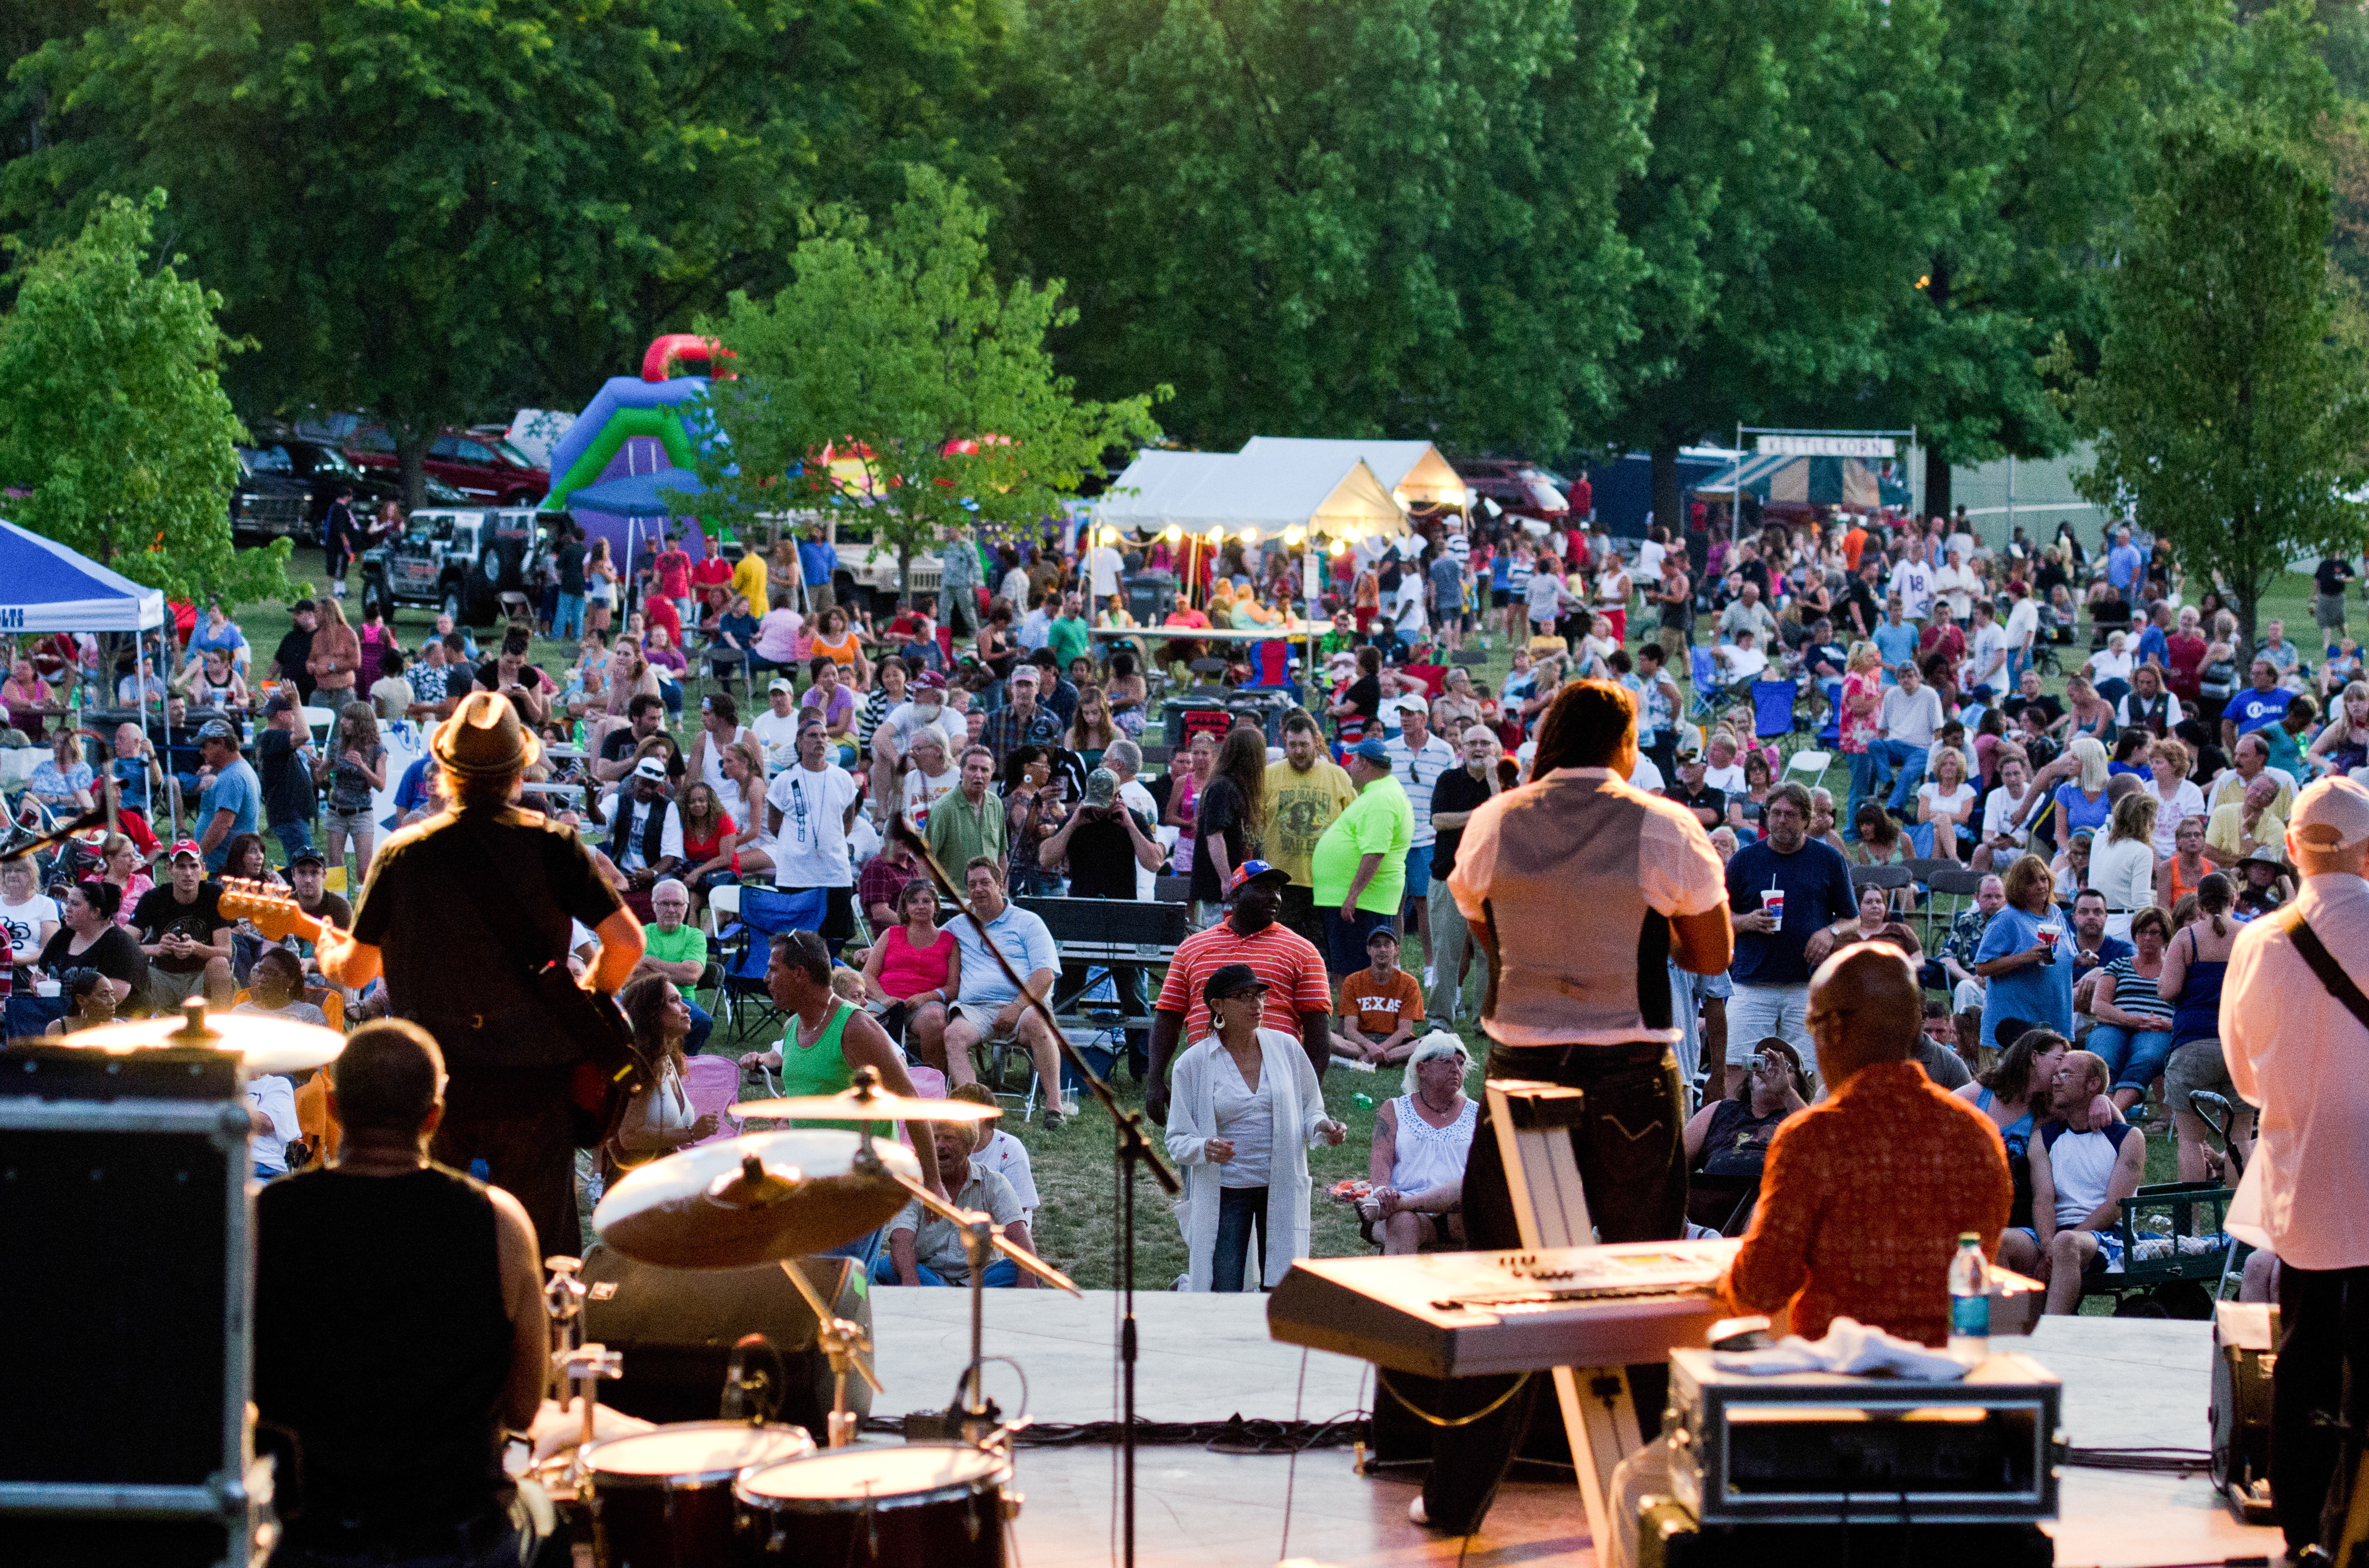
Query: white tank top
1428	1155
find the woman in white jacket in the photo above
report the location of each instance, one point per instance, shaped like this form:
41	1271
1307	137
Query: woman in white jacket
1245	1108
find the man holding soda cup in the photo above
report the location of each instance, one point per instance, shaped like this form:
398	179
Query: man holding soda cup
1774	954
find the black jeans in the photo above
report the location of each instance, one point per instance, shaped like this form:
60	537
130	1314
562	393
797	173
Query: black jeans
1633	1166
1300	912
2320	1399
517	1121
1239	1209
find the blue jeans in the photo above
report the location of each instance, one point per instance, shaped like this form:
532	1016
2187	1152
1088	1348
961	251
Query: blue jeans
295	838
1239	1208
1000	1275
567	618
1909	761
702	1024
2133	1057
1345	941
1865	774
28	1014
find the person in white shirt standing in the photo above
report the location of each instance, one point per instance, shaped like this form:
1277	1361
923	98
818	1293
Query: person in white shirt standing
810	805
2294	1030
1986	655
1956	582
1418	758
2022	633
1103	566
1912	580
1905	725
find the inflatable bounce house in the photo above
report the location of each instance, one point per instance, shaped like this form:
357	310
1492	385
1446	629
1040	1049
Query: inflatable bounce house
635	441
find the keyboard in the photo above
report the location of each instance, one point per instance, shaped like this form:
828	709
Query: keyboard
1470	1314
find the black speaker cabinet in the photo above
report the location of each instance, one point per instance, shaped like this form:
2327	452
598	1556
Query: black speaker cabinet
675	1328
1669	1536
124	1207
2245	1361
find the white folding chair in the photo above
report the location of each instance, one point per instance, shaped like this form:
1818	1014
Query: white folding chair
1811	765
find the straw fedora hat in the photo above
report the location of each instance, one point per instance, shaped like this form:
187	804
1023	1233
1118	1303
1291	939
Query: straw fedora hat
484	738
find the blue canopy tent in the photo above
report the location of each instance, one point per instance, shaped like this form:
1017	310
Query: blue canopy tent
634	497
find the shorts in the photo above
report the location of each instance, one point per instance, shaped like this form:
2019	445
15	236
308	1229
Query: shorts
1345	941
168	991
2198	1064
353	824
1500	597
1418	873
980	1015
2328	610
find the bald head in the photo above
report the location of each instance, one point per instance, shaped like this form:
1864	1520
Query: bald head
1865	1008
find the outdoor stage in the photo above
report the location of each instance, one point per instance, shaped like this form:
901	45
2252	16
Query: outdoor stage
2128	1382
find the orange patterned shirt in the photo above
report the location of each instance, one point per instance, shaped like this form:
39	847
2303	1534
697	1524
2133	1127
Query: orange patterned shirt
1861	1203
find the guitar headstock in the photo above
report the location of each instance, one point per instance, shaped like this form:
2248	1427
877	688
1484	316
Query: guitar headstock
273	911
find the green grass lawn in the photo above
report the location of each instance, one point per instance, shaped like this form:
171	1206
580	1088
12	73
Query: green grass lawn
1077	1226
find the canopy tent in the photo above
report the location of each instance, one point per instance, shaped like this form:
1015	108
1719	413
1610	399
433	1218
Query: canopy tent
1414	472
1778	478
44	587
639	495
1278	491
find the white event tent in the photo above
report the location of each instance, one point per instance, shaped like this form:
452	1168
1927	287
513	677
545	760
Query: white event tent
1414	472
1262	492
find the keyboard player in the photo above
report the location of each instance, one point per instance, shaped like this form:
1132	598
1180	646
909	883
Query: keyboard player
1580	890
1864	1195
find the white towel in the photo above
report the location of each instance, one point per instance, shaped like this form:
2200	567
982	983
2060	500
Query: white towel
1849	1347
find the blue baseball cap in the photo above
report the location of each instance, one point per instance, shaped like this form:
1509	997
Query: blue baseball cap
1370	748
1255	871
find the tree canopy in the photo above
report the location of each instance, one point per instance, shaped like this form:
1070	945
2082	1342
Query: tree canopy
113	423
2228	407
898	347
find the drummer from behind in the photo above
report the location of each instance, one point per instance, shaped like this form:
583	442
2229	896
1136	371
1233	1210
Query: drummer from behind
827	1038
436	1273
924	1249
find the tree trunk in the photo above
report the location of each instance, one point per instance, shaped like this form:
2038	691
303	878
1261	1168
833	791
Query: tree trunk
1669	505
905	579
1937	482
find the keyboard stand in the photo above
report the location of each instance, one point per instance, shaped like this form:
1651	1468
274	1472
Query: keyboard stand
1533	1123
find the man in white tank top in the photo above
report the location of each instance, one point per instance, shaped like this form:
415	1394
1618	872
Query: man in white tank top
2082	1172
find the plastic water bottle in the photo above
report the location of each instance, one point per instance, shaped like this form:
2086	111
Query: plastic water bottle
1363	1101
1970	1302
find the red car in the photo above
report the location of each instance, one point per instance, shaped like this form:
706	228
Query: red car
1523	489
484	468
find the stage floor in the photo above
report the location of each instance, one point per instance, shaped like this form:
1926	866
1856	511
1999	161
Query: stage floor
2128	1382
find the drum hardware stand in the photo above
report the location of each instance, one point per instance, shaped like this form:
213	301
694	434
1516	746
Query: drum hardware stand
574	1361
752	1394
1134	1150
846	1344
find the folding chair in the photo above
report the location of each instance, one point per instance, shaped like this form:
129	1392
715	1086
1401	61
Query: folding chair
765	912
1890	878
1271	668
1957	884
717	916
1702	682
1772	708
1811	765
1830	734
711	1084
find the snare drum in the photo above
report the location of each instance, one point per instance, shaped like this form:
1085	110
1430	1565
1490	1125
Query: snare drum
663	1498
939	1503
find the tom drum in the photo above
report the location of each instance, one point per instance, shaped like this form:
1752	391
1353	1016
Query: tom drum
663	1498
940	1504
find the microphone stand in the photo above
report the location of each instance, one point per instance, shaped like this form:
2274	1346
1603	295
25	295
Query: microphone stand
1134	1150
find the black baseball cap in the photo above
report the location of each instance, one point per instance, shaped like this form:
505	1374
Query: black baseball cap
1232	979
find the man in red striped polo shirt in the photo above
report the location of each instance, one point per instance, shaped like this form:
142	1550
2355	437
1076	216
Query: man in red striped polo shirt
1298	999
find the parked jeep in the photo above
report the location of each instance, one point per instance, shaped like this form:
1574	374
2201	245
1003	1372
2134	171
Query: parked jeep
460	561
868	575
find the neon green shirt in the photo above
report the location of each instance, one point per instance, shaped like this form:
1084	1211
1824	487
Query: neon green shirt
1379	821
686	943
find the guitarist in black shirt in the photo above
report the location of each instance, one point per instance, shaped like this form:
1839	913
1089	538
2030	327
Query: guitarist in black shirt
465	914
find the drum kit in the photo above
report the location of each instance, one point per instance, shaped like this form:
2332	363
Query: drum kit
742	1489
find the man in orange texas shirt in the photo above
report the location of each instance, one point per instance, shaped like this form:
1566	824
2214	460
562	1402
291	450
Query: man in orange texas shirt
1865	1195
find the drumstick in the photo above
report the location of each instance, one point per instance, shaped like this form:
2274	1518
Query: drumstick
1129	1122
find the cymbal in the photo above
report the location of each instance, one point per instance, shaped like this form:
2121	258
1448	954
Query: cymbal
756	1199
855	1106
264	1044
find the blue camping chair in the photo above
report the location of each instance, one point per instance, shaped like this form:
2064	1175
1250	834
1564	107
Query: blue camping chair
1703	680
1772	708
1271	669
747	948
1830	734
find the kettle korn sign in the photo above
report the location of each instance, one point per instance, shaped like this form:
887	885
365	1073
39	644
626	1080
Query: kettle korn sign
1827	446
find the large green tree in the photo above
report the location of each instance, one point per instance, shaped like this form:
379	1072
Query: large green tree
442	209
1395	217
898	345
114	430
2228	407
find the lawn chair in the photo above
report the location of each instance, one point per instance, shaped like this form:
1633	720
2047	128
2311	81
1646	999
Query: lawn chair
1957	884
1830	734
765	912
711	1084
1271	669
1892	879
1702	682
1772	709
1810	765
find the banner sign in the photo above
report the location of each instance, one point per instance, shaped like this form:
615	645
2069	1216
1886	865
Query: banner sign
1827	446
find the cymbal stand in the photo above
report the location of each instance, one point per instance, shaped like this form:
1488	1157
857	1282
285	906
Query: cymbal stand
1134	1148
845	1343
981	1236
574	1361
